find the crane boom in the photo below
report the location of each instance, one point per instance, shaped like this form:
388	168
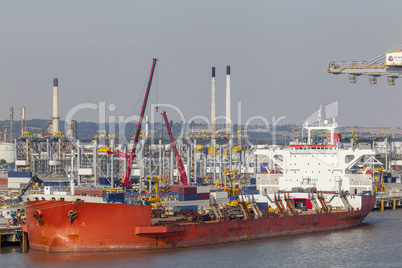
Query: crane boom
131	156
127	182
179	161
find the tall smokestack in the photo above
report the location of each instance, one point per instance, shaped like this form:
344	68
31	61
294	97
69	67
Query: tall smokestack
213	104
146	127
5	136
228	108
55	106
11	124
23	119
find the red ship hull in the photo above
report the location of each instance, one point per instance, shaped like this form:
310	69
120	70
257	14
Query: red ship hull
109	227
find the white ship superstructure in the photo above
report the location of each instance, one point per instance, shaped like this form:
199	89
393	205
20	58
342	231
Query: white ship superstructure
324	166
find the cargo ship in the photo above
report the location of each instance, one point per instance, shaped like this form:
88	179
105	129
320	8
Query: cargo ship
58	223
316	190
296	201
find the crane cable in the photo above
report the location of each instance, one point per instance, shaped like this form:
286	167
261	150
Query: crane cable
131	128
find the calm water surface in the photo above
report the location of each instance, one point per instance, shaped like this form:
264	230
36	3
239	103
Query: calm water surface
376	243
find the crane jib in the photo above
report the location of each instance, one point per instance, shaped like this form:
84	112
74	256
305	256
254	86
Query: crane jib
179	161
127	181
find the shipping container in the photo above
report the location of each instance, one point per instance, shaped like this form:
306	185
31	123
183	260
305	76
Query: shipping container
14	185
104	181
187	190
203	189
18	174
219	194
187	197
113	197
20	180
56	183
203	196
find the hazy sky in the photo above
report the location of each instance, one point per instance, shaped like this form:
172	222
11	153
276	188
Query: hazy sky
102	51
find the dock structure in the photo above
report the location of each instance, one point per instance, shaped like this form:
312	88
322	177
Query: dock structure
10	234
388	201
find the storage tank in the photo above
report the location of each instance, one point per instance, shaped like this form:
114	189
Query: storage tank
393	58
7	152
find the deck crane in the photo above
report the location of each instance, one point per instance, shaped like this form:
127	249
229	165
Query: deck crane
179	161
391	68
131	156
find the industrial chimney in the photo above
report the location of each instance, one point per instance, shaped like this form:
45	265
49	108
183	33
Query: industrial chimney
23	120
55	106
228	108
11	124
146	127
5	137
213	104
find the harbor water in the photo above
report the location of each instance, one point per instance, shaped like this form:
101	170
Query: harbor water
376	243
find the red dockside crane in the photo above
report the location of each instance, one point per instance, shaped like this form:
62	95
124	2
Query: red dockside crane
179	161
131	156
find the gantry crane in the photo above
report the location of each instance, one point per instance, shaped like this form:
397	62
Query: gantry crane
388	65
